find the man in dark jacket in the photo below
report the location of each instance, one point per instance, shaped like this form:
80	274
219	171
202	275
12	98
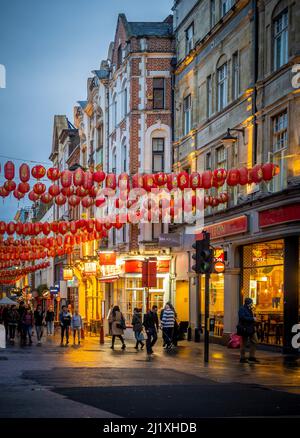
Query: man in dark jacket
151	326
246	329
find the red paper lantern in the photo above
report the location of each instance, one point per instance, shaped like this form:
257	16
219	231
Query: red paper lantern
123	181
219	177
2	227
66	178
183	180
4	192
46	228
73	227
37	228
53	173
195	180
98	176
60	199
111	181
10	185
81	191
268	170
11	228
19	228
87	202
93	192
39	188
38	171
33	196
172	181
54	190
149	182
54	228
9	170
46	198
68	191
74	200
18	194
233	177
215	202
88	180
137	181
23	187
208	200
244	176
207	179
256	174
24	172
223	197
63	227
160	179
90	225
78	177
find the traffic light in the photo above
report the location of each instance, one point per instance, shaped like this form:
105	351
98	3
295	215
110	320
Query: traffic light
196	256
204	256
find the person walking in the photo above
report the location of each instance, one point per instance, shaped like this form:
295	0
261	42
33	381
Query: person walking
13	321
76	325
247	331
27	325
50	321
21	311
39	320
168	323
5	321
137	328
65	322
151	326
117	326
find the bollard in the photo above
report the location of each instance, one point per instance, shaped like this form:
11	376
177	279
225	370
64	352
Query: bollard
101	334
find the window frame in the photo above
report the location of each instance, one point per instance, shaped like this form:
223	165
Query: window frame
209	94
235	75
222	84
159	153
159	89
187	114
189	42
277	37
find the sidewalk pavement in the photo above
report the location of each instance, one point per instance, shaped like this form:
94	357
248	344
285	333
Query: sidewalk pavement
55	381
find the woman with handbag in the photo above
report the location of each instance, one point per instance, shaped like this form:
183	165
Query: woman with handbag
118	326
137	328
247	331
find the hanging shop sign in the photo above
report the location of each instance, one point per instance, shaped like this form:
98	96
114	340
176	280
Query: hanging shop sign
136	266
280	215
68	274
90	268
149	272
107	258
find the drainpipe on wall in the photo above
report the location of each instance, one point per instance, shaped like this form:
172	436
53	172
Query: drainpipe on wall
255	77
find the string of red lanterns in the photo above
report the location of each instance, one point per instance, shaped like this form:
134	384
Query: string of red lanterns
80	187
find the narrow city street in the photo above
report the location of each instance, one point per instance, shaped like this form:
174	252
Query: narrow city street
92	381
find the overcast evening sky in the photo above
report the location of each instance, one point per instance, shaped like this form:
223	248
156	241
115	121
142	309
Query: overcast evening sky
49	48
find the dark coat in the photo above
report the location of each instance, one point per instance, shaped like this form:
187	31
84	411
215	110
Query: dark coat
150	321
246	318
39	317
136	322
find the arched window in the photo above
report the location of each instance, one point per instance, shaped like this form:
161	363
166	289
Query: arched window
280	27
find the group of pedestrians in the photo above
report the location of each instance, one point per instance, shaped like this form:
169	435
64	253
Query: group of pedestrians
151	323
22	320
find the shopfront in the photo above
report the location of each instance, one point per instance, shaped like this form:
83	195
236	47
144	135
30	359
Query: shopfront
263	281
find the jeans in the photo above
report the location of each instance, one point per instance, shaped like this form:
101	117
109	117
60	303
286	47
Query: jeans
39	332
12	331
151	339
138	340
65	329
253	341
168	335
76	330
50	327
26	331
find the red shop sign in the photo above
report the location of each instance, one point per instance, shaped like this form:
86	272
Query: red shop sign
280	215
107	259
228	228
149	273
